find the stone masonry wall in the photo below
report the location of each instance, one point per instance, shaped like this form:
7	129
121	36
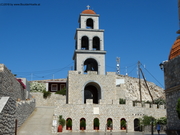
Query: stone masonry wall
24	109
7	117
13	110
77	83
40	101
9	86
16	106
114	111
172	72
172	85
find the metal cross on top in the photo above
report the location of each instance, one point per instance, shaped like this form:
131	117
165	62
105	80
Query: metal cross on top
88	6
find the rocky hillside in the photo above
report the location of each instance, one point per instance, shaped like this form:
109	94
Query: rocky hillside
130	89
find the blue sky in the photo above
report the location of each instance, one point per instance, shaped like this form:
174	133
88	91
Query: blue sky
37	42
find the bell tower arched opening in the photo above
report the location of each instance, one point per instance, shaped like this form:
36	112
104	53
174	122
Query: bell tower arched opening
92	91
85	43
96	43
90	24
90	65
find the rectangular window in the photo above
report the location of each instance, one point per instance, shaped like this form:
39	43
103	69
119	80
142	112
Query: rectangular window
62	86
54	87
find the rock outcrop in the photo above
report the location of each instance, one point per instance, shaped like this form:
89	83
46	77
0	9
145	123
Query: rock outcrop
130	89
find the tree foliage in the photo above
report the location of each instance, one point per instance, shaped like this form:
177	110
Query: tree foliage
46	94
61	92
146	120
122	101
61	121
96	122
69	123
123	123
83	123
37	87
178	108
162	121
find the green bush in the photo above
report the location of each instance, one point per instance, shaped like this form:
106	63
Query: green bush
162	121
37	87
69	123
96	122
61	121
109	123
146	120
83	123
122	101
61	92
46	94
123	123
178	108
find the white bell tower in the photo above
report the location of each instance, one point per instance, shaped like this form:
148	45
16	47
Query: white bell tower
89	54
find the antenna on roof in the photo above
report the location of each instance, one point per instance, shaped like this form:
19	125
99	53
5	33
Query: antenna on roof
118	65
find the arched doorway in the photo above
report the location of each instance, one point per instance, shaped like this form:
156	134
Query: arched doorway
109	124
92	91
68	124
82	124
123	124
136	124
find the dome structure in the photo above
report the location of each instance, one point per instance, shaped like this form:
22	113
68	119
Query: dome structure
88	11
175	49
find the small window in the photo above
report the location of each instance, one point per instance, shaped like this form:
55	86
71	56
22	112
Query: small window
62	86
54	87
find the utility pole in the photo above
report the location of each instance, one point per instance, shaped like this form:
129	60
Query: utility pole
139	81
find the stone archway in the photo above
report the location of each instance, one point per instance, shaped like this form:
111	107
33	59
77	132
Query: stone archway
90	64
136	124
92	91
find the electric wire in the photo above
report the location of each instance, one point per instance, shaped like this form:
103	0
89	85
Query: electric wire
45	73
152	76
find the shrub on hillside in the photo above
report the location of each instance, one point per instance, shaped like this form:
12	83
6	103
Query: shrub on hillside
61	92
37	87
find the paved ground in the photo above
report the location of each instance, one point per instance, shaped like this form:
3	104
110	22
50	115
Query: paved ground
38	123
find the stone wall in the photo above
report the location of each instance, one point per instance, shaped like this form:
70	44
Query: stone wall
172	72
11	110
24	109
114	111
172	84
50	101
106	85
7	116
9	86
13	103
